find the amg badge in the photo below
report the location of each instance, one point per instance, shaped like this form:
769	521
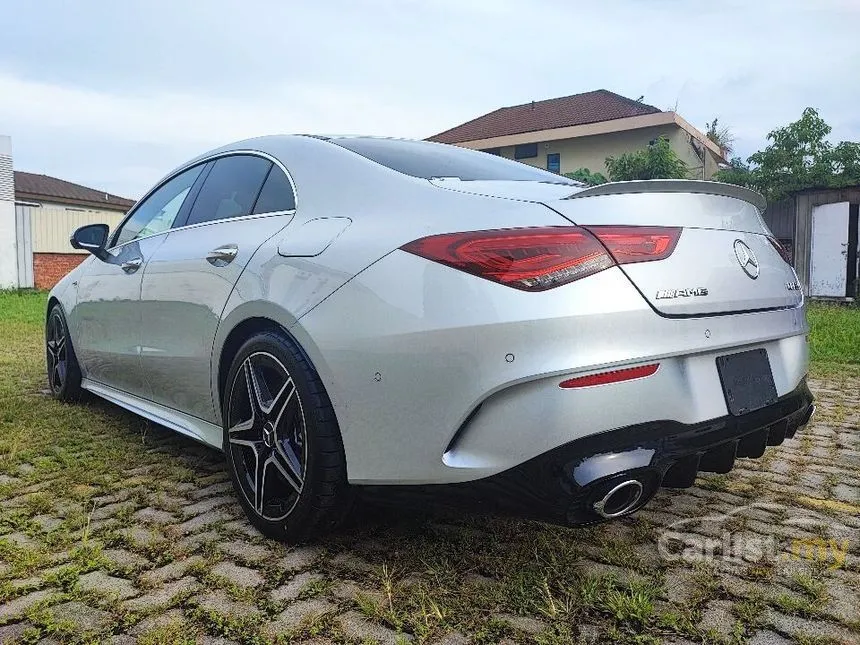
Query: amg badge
792	286
681	293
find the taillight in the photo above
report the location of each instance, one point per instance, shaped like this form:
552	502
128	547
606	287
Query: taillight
629	244
531	259
783	252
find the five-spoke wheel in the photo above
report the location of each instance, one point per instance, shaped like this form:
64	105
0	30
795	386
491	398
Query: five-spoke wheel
266	433
282	442
64	377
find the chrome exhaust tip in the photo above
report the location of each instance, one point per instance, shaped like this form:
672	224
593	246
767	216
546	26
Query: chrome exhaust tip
620	500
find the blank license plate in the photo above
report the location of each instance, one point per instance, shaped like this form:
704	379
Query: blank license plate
747	381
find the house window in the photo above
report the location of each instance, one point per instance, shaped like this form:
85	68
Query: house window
525	151
553	162
493	151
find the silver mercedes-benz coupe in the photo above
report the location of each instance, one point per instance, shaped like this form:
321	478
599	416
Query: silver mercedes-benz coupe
357	315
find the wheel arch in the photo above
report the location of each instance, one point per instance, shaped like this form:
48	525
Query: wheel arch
52	302
239	331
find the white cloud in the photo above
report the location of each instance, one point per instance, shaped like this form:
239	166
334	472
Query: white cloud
115	94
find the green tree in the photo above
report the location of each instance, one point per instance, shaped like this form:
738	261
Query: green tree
797	157
586	177
738	173
657	161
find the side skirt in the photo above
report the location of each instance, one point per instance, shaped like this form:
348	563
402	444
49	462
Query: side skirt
190	426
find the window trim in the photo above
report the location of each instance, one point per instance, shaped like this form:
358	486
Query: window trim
189	166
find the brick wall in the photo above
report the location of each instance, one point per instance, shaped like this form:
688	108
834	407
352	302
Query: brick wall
48	268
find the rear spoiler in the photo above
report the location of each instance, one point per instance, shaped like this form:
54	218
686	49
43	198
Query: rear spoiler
675	186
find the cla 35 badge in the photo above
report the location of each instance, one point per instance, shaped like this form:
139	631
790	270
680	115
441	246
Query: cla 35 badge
665	294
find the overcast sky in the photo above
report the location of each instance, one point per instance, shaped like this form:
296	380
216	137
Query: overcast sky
114	94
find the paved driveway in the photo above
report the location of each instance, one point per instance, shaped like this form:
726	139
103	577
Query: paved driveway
147	543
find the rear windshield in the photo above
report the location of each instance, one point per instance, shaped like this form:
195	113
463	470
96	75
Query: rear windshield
432	160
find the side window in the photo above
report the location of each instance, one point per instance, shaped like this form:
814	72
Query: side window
157	213
277	193
231	188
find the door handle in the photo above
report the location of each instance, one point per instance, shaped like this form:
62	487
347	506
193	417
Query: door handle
223	255
130	266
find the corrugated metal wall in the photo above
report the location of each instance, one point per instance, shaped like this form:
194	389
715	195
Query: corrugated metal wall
779	218
53	225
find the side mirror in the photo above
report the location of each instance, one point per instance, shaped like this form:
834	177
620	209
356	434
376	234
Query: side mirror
92	238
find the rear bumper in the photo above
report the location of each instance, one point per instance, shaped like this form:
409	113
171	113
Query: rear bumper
563	484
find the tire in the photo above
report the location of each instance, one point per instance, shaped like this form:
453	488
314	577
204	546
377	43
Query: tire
63	370
280	429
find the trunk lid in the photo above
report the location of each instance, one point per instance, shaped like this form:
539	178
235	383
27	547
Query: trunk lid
724	261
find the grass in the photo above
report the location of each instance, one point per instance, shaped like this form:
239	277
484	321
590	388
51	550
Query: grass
427	576
834	335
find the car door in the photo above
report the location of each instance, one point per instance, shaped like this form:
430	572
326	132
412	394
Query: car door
107	315
245	199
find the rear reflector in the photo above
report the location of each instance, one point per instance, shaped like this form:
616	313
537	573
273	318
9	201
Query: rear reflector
615	376
629	244
530	259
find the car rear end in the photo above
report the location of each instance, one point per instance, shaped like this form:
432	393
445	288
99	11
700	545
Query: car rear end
711	369
620	339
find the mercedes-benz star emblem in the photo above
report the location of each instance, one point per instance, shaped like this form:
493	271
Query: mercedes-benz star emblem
746	258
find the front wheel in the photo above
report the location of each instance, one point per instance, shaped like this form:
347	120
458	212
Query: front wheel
64	373
282	442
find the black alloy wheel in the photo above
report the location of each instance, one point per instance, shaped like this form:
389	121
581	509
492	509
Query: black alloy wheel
282	441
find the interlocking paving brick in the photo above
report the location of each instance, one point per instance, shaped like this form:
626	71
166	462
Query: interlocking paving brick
125	559
100	582
348	590
151	515
525	624
293	588
203	520
173	617
104	512
299	558
297	613
219	602
624	575
245	550
48	523
194	541
161	596
718	617
351	562
796	626
13	632
144	537
357	627
83	617
244	527
171	571
238	575
17	606
208	504
213	489
767	637
20	540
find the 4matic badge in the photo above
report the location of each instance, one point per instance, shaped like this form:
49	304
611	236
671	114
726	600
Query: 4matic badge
665	294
